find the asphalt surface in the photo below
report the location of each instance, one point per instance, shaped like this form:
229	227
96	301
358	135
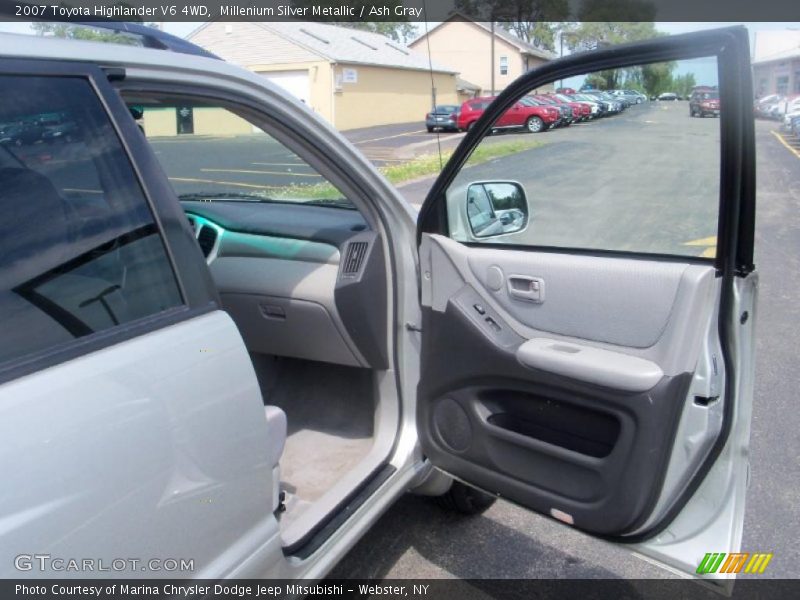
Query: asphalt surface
645	180
416	539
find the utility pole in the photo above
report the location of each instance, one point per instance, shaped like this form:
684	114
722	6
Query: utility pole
492	17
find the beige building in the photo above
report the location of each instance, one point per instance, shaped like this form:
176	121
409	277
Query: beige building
351	78
467	47
776	62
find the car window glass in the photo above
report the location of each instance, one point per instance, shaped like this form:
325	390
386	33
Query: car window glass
211	153
636	177
79	249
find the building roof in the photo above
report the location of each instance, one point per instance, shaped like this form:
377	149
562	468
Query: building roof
349	46
783	55
500	32
463	84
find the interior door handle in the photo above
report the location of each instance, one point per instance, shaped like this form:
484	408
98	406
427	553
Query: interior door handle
528	289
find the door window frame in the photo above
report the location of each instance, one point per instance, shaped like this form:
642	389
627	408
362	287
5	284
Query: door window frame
736	212
196	299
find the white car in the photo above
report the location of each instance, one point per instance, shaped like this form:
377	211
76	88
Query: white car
791	111
230	344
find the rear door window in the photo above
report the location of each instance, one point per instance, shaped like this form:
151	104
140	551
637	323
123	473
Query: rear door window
80	251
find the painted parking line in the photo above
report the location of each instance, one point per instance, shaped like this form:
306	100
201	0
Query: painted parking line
265	164
710	244
389	137
254	172
783	141
233	183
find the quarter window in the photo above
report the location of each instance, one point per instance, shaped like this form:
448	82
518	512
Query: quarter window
79	249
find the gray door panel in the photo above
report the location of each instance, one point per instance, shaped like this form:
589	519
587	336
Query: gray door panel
578	428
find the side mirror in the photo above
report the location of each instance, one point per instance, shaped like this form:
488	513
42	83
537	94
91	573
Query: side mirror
496	208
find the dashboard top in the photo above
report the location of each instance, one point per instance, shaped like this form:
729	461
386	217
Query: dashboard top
288	220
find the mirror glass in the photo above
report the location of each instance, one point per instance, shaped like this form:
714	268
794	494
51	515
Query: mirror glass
496	208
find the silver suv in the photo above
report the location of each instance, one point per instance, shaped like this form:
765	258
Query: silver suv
231	344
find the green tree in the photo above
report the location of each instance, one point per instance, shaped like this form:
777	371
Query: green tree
657	77
534	21
595	81
634	11
81	32
683	84
594	34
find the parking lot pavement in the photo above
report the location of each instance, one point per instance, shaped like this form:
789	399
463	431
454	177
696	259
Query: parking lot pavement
417	539
390	144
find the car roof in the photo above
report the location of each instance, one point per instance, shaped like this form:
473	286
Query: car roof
14	45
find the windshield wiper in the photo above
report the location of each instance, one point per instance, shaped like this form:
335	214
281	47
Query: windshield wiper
330	202
210	196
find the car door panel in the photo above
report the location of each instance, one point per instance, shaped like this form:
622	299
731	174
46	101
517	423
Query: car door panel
607	387
585	436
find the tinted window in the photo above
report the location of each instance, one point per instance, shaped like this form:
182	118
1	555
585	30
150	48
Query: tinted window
79	250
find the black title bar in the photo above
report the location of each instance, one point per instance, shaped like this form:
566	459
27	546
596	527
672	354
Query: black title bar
400	10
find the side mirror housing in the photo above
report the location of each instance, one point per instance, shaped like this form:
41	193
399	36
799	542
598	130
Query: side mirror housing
496	208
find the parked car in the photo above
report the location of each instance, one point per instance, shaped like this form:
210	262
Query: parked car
532	117
565	116
21	134
471	111
64	131
241	379
630	96
792	111
668	97
704	103
444	117
580	110
596	108
613	106
767	107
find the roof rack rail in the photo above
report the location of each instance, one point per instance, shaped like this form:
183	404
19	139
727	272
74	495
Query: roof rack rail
149	36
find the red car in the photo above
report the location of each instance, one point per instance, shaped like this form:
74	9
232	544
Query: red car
580	110
531	117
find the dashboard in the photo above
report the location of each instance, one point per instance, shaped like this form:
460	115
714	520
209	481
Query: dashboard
299	280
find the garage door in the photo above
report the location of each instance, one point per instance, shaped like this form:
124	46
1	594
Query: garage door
294	82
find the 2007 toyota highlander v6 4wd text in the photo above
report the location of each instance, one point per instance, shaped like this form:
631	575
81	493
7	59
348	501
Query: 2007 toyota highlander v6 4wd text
210	365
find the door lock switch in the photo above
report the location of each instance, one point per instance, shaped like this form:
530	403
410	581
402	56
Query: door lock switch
493	324
479	309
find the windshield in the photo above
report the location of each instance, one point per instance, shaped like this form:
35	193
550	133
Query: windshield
212	154
445	109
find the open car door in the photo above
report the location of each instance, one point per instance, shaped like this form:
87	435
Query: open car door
588	302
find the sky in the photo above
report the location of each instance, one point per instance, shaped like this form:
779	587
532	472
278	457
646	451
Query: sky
184	29
705	72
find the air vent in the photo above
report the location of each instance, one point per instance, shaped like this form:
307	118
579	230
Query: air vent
356	251
192	222
207	237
